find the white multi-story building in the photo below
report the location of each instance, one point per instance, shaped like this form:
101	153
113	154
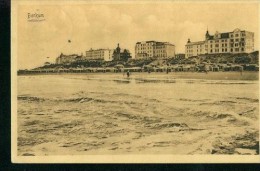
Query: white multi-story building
100	54
149	49
238	41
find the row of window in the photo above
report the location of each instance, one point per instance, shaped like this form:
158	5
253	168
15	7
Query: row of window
149	51
220	50
150	47
216	41
149	55
191	47
218	45
226	40
237	35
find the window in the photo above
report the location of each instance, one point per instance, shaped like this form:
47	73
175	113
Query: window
231	50
242	49
236	35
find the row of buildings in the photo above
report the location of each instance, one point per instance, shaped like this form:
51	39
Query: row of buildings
97	54
237	41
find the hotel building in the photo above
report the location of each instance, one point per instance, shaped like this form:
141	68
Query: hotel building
100	54
66	59
149	49
237	41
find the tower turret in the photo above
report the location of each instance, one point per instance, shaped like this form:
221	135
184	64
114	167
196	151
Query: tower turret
118	48
207	35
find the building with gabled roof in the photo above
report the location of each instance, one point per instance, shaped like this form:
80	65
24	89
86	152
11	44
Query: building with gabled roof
121	54
66	59
99	54
154	49
237	41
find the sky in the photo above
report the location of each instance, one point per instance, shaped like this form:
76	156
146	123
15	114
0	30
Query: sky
97	25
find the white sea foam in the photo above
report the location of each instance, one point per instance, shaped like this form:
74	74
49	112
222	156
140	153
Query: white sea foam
109	114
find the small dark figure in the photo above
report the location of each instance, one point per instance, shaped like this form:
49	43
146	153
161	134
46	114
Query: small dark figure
128	73
149	71
167	71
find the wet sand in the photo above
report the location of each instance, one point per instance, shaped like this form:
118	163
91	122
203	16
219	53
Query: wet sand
245	75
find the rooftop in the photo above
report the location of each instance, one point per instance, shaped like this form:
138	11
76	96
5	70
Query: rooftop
157	42
196	43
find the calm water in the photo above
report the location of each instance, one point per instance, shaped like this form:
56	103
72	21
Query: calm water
145	114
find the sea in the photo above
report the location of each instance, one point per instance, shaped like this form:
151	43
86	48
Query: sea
108	113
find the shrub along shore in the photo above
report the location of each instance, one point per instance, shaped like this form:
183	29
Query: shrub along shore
203	63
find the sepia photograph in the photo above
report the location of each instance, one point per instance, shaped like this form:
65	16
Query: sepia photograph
135	81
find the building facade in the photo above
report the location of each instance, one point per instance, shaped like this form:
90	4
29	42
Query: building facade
99	54
154	49
237	41
120	54
66	59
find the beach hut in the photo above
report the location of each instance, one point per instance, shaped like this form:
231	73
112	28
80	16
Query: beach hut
174	68
100	70
136	69
226	68
251	67
148	68
119	68
215	68
236	68
186	68
180	68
